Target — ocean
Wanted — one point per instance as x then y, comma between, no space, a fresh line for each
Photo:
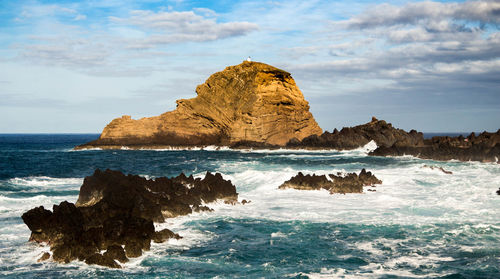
420,222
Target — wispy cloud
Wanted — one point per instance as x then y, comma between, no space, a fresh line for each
120,43
174,27
433,12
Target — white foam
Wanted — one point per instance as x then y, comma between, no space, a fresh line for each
419,196
44,181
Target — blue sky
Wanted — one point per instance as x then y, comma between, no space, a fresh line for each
73,66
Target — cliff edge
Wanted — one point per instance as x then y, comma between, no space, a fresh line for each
251,102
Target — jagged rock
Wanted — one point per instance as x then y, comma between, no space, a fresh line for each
164,235
483,148
103,260
251,102
115,210
44,257
342,184
354,137
197,208
116,252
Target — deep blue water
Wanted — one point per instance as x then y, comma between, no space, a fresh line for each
420,223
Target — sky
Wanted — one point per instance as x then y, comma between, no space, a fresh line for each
73,66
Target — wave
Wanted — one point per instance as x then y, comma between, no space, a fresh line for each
44,181
420,196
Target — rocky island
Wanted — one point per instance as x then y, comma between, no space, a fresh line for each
251,103
113,217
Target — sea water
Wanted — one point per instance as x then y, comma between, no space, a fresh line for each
419,223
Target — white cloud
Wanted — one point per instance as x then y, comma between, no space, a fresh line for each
175,27
121,43
413,13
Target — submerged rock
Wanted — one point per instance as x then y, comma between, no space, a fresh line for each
251,102
115,213
438,168
342,184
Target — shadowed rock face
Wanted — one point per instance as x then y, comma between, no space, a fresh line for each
342,184
250,102
483,148
115,212
354,137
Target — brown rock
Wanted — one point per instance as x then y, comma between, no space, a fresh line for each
250,102
133,250
116,252
164,235
44,257
103,260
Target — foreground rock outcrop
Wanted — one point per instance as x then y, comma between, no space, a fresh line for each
251,102
383,133
115,213
341,184
483,148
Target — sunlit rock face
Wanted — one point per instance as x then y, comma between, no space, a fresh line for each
251,102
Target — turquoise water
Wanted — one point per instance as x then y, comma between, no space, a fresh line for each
420,223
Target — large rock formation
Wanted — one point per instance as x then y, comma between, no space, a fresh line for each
251,102
115,213
354,137
484,148
341,184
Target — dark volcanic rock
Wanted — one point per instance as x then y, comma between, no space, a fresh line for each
164,235
438,168
116,252
397,142
349,183
115,210
104,260
354,137
483,148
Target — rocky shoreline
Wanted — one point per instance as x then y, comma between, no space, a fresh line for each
114,215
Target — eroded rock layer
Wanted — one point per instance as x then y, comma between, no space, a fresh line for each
249,102
115,213
340,183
